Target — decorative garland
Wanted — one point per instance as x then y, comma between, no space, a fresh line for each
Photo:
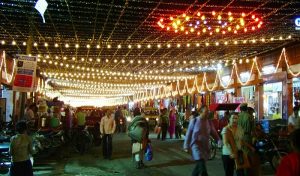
3,61
166,91
214,23
187,89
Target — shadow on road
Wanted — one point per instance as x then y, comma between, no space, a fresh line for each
178,162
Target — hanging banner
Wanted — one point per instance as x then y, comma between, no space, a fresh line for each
25,74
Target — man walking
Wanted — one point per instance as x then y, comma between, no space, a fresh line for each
197,139
107,128
163,123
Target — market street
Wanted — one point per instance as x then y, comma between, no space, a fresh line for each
169,159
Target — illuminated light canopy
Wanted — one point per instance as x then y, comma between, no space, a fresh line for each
195,24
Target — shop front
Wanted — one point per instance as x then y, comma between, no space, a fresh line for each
296,92
225,96
248,93
272,100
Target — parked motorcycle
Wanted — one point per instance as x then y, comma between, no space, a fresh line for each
268,150
5,159
6,131
45,143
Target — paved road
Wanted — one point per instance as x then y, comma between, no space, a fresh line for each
169,160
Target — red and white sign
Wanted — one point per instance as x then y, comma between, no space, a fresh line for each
238,100
25,74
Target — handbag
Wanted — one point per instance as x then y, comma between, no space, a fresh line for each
148,152
136,147
242,160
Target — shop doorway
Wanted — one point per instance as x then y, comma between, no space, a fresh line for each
248,92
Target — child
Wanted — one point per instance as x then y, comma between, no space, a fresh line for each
21,150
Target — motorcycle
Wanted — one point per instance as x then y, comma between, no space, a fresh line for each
268,150
46,143
5,158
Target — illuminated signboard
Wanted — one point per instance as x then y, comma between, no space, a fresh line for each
297,23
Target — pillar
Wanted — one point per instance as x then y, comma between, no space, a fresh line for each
259,100
290,95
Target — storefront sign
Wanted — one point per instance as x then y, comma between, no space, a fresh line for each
297,23
25,74
276,77
238,99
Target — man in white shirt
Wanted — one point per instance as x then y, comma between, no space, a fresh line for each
294,120
107,128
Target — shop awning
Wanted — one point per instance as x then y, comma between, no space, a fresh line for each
223,106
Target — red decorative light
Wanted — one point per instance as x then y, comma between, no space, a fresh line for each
215,23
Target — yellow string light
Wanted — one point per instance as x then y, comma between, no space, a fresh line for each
238,77
288,65
256,64
206,84
9,80
166,91
221,81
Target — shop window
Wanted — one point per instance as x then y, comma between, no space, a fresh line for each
268,69
296,91
248,92
272,101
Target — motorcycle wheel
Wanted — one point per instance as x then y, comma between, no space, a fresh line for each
276,158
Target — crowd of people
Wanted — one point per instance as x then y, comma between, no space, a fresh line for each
235,132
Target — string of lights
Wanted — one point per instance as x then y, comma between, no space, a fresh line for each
148,45
166,91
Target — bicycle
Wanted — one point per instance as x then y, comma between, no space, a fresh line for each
213,146
81,140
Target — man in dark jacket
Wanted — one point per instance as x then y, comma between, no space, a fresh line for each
163,123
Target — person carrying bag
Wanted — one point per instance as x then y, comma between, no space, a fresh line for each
138,131
232,154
